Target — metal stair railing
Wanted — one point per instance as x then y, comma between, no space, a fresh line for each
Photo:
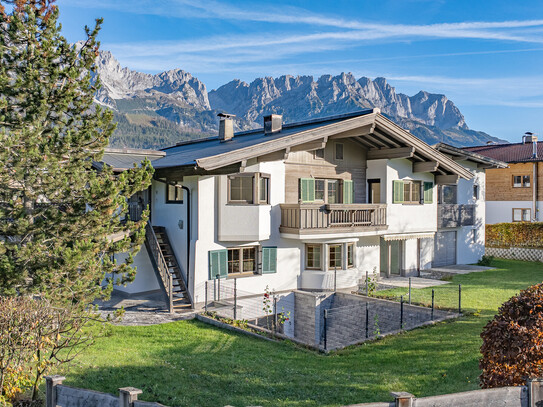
160,262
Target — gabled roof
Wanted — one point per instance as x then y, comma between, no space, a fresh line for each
510,153
121,159
460,154
380,136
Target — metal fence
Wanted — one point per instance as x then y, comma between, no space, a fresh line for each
269,309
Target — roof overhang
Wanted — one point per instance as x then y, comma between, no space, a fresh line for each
381,137
459,154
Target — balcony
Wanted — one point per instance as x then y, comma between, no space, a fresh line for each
452,216
308,219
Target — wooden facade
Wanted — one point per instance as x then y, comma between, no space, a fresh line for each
499,183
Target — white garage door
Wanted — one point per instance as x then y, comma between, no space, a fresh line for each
444,249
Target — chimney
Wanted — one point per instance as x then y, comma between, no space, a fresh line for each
226,126
273,123
530,137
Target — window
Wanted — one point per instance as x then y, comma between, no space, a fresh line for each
244,188
241,260
320,189
350,255
313,256
330,191
411,192
476,192
521,181
447,194
521,215
339,151
333,191
319,154
263,189
174,194
335,254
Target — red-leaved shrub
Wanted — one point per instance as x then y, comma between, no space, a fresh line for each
512,349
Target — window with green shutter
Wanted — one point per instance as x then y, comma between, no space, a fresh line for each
428,192
398,191
347,191
218,264
307,189
269,260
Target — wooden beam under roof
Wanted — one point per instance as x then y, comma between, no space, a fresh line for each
376,141
361,131
460,157
428,166
177,173
447,179
313,145
388,139
400,152
418,157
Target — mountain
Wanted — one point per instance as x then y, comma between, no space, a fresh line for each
154,111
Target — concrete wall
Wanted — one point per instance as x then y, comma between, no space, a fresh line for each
146,279
502,211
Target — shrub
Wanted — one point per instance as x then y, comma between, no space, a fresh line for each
485,260
512,347
517,234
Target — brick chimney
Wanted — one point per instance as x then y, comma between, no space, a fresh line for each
273,123
226,126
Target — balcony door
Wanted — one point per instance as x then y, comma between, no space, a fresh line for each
374,191
392,257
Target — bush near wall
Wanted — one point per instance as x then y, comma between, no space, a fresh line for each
517,234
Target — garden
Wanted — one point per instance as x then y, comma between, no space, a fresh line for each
190,363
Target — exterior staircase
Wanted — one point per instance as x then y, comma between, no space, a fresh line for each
167,268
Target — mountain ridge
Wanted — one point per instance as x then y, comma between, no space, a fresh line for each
157,110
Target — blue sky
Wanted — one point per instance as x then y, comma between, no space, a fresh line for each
486,56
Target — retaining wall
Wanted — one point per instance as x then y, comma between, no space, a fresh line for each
515,253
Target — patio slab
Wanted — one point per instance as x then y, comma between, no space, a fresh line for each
416,282
460,269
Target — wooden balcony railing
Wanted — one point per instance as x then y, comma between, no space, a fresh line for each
452,215
332,217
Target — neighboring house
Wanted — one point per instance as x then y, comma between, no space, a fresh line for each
461,210
514,194
291,206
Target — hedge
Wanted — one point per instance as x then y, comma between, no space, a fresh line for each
517,234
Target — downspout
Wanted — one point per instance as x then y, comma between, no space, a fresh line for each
188,233
534,194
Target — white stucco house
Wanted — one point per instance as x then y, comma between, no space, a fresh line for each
292,206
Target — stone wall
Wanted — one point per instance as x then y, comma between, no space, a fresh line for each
515,253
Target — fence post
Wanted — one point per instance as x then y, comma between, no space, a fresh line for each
275,313
459,298
325,329
402,399
215,290
51,382
335,278
205,301
432,304
367,320
401,312
409,290
535,392
235,298
367,283
218,287
127,395
170,292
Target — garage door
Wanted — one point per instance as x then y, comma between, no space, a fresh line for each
444,249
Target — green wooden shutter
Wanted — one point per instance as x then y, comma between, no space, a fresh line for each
428,192
397,195
269,260
307,189
347,191
218,264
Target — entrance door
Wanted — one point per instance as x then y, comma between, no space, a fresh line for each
444,249
374,191
391,252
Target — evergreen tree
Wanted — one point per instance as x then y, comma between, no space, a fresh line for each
59,215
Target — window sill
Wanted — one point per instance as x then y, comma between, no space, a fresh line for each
241,275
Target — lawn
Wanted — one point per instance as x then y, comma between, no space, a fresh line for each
189,363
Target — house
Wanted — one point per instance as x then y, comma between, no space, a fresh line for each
310,205
514,193
461,210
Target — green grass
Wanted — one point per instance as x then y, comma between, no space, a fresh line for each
189,363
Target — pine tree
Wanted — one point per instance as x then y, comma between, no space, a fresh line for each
58,213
